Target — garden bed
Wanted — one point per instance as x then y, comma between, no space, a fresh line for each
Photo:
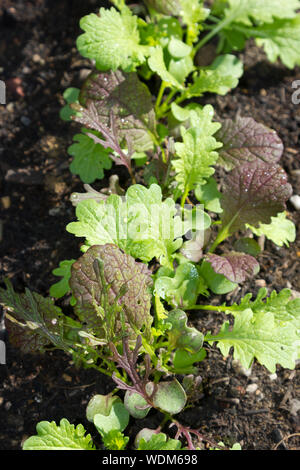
38,62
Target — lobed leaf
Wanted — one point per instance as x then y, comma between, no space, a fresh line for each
258,335
35,321
220,77
112,40
280,231
159,442
63,437
284,308
257,11
180,288
197,153
180,335
61,288
90,159
281,39
142,224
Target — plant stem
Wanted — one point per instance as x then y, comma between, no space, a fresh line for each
221,25
162,88
217,308
165,107
222,235
185,195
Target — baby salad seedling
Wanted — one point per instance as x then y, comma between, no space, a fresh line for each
155,253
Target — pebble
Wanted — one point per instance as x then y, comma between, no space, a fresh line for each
25,121
54,211
273,377
5,202
295,201
37,59
239,369
260,283
294,406
251,388
295,294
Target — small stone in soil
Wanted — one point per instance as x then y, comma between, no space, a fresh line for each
295,201
251,388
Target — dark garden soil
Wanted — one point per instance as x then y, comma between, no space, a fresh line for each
38,60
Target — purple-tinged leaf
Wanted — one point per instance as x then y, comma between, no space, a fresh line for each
235,266
122,104
245,140
123,282
252,194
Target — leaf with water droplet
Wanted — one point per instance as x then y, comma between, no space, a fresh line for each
252,193
127,99
245,140
235,266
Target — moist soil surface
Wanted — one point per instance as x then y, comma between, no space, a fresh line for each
38,61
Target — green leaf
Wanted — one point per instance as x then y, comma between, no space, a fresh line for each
112,40
180,335
258,335
193,13
281,39
142,225
115,440
90,158
181,68
136,405
117,420
209,195
61,288
70,95
257,11
197,153
178,49
122,284
247,245
279,304
159,442
63,437
280,231
157,64
169,397
166,7
179,288
217,283
183,361
220,77
100,404
160,32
